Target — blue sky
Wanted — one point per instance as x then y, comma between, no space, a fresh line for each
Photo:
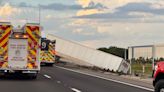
95,23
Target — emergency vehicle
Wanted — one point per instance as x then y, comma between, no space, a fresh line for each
19,49
47,54
158,78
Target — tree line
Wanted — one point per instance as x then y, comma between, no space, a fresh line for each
120,52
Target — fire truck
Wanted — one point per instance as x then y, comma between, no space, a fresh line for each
19,49
47,54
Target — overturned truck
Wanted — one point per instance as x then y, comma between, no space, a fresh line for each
89,56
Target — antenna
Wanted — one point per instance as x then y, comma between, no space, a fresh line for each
39,14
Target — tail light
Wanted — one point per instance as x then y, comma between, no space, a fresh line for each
17,36
25,36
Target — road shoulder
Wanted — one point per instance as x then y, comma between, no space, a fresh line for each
124,79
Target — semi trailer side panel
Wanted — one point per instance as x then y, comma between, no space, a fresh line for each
89,55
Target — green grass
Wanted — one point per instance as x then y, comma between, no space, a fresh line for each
138,68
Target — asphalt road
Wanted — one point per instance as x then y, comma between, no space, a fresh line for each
54,79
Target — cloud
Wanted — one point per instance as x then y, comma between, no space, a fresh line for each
49,16
141,7
97,15
88,12
8,10
1,1
140,14
84,3
24,4
78,22
80,31
90,7
93,5
58,6
12,13
107,3
129,11
52,6
158,4
124,35
77,31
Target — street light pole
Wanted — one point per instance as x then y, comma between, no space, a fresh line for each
154,55
131,52
125,54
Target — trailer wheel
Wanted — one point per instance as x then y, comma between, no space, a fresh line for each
159,87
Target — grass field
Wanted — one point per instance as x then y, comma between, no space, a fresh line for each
137,68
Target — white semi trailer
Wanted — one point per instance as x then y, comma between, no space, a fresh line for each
88,55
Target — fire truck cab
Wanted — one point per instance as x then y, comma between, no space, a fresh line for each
47,54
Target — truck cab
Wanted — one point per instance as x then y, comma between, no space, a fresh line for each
158,78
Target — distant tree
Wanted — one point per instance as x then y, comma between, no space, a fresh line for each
133,60
115,51
149,60
143,62
161,59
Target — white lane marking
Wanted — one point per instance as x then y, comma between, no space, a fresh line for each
75,90
129,84
47,76
58,81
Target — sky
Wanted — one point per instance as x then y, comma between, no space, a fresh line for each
94,23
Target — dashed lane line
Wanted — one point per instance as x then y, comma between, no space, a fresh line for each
47,76
75,90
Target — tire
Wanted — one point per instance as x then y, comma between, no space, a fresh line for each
159,86
49,64
33,76
2,75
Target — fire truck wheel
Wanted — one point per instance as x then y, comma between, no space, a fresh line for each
159,87
49,64
33,76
